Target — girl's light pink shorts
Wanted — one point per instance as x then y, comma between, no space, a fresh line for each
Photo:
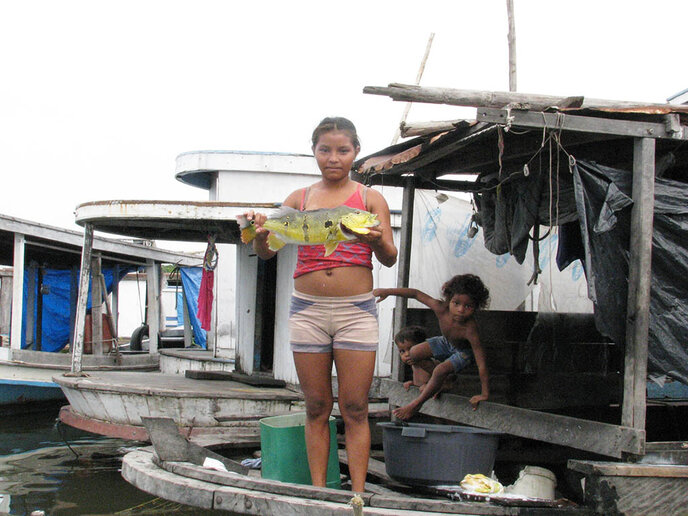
321,324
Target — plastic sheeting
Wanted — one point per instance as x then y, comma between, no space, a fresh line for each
442,248
191,282
604,202
56,298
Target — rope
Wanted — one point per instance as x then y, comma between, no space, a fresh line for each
210,256
60,429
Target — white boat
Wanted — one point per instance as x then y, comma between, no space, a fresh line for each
38,306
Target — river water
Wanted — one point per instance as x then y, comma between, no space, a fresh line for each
50,467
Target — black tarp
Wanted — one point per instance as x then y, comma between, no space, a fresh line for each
592,207
604,203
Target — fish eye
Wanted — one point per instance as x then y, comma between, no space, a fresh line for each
328,223
286,223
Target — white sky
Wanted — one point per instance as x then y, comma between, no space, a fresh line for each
97,98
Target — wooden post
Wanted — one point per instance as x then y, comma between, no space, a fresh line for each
108,311
82,300
114,316
403,270
38,337
5,301
96,307
419,76
188,331
639,283
73,301
512,44
153,304
29,336
17,291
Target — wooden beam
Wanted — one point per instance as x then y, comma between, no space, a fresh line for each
423,128
403,270
420,182
153,305
494,99
511,38
29,336
114,315
96,307
108,311
82,300
602,438
587,124
407,108
639,282
73,301
17,291
188,330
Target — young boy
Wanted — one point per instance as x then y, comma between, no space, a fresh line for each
459,343
422,369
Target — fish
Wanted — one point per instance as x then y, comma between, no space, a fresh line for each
326,226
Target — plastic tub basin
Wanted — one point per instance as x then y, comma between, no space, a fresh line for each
427,454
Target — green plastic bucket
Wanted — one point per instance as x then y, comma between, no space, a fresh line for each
283,450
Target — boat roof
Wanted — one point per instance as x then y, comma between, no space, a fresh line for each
60,247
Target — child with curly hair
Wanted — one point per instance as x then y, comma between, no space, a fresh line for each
459,344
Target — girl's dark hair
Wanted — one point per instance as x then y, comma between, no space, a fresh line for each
335,123
469,285
415,334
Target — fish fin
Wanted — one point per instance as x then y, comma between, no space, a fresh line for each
282,211
248,230
275,243
330,247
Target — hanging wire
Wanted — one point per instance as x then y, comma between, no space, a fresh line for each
526,167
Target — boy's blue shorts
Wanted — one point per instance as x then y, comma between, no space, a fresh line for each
442,350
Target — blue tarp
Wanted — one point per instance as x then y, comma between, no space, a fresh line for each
191,282
58,285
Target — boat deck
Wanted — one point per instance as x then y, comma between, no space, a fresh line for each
162,384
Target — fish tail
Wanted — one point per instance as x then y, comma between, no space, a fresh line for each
247,227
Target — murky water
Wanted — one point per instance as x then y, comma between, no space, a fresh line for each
47,466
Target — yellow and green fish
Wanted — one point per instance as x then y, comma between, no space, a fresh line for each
328,226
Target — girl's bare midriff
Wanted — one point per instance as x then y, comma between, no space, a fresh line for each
338,282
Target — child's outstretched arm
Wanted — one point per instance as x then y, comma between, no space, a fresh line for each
409,293
431,389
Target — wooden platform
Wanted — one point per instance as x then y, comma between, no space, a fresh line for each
631,488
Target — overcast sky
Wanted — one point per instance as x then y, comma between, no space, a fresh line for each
97,98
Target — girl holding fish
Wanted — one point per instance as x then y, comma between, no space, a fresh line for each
333,317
